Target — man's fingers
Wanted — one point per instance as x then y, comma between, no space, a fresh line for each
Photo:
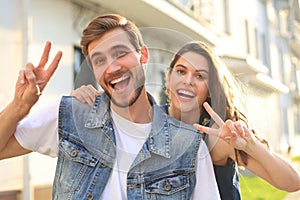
29,66
21,78
45,55
53,66
30,77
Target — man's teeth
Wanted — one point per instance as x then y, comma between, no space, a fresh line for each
118,80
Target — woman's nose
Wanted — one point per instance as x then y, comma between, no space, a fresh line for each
189,79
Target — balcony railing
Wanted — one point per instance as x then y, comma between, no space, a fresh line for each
202,10
296,30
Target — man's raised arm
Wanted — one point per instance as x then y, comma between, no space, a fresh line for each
31,82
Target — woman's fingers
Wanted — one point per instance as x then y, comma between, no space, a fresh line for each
85,94
213,114
210,131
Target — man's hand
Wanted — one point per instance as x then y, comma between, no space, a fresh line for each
33,80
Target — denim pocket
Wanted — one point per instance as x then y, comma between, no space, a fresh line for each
75,167
169,185
77,153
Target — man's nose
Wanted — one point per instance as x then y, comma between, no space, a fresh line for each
113,66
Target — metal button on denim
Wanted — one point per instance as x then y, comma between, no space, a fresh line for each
74,153
103,165
89,196
167,186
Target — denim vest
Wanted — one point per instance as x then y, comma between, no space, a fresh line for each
163,169
228,180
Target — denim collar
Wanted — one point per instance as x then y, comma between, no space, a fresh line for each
158,141
99,114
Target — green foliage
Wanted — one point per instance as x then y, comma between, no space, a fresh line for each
296,159
255,188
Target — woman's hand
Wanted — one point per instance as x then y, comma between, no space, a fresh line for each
234,133
86,94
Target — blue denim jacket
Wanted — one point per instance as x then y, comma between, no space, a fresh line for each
163,169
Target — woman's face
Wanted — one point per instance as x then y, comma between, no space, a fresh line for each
188,83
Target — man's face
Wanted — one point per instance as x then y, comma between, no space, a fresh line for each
117,67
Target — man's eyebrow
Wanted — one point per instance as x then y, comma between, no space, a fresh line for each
119,46
95,54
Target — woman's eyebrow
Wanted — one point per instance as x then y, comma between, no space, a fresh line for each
202,70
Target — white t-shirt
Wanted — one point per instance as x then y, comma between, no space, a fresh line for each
39,133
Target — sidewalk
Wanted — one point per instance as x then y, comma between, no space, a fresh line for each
293,196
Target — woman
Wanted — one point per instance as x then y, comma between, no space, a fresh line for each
196,76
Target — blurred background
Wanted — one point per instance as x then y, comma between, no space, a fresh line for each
258,40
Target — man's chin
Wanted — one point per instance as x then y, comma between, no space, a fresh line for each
120,104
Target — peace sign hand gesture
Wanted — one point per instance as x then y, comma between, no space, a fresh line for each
33,80
234,133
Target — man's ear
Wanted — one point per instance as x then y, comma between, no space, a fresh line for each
167,78
144,55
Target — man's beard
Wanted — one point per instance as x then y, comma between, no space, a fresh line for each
132,100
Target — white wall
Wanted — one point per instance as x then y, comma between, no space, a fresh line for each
48,20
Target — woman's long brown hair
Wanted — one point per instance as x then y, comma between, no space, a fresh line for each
224,90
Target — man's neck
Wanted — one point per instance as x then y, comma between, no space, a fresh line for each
139,112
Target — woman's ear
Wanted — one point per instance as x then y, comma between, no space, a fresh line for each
144,55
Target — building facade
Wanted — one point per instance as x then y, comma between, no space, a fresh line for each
259,40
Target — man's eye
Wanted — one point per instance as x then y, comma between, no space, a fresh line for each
99,61
121,53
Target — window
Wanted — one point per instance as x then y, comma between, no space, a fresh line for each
247,37
297,120
227,16
262,48
281,66
256,44
207,10
204,9
10,195
83,73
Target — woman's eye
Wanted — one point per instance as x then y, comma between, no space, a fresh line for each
200,76
180,72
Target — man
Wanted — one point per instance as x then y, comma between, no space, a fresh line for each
125,147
